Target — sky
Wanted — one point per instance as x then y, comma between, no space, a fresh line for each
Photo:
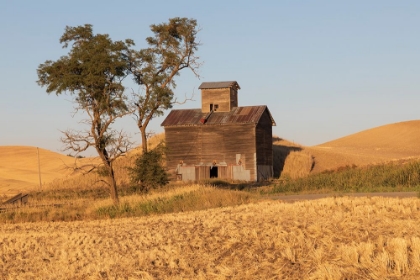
325,69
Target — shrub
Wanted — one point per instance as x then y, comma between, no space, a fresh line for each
148,172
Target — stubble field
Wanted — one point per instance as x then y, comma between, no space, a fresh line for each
331,238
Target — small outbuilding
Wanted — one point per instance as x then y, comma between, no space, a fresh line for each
220,140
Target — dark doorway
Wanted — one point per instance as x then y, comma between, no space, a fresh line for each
213,171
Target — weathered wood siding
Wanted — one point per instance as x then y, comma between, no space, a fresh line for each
225,98
205,144
264,144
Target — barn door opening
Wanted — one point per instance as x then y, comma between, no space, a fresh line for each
213,171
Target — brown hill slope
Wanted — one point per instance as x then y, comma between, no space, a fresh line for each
381,144
402,138
19,164
377,145
19,167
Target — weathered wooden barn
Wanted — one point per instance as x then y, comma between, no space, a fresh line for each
220,140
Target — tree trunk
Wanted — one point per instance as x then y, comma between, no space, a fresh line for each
143,139
113,186
113,191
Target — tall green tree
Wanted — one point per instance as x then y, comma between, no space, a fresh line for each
172,49
92,73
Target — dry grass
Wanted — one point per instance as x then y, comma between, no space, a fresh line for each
281,150
94,203
298,164
332,238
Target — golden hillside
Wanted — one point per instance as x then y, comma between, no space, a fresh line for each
381,144
19,167
377,145
19,164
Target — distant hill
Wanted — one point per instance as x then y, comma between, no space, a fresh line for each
377,145
19,167
402,138
19,164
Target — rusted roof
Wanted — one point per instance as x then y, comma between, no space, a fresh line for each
192,117
227,84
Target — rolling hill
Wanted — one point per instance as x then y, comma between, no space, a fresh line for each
19,164
377,145
19,167
397,141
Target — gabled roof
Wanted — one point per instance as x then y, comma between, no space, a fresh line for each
226,84
193,117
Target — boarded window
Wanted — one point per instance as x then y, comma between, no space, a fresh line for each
187,173
223,172
241,174
202,172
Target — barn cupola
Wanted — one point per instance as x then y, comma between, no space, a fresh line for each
219,96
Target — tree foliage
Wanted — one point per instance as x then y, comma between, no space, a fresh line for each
148,171
171,49
92,73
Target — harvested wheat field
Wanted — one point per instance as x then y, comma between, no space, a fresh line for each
331,238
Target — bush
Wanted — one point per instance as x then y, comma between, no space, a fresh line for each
148,172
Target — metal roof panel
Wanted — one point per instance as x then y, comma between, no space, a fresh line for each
225,84
192,117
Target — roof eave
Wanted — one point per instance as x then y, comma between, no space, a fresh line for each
221,84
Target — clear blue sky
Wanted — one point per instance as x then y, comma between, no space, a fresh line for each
326,69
